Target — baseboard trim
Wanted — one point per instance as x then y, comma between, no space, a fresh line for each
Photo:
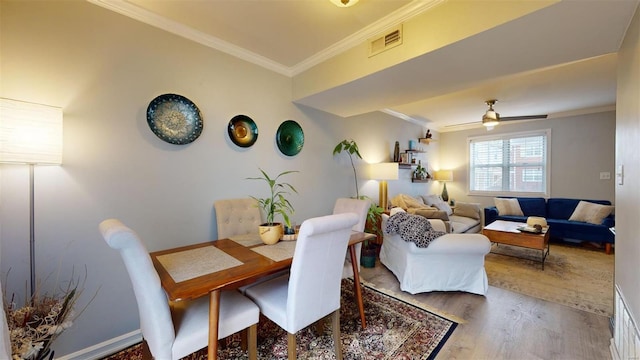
105,348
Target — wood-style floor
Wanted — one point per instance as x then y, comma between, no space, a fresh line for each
507,325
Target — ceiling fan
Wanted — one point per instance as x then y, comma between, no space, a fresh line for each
491,118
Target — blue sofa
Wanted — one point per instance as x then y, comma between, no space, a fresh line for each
557,211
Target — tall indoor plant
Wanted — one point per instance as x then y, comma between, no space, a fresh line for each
276,203
369,251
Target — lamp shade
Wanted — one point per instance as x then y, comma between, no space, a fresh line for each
443,175
383,171
30,133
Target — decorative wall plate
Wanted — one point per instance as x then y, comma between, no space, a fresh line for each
174,119
290,138
242,130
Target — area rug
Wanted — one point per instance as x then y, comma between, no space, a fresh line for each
572,276
395,330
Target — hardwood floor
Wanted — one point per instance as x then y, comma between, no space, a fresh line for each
507,325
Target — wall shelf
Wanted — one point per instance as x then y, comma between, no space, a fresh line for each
425,140
419,180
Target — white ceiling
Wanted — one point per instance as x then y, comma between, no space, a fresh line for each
558,61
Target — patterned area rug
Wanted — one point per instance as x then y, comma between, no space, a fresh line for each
395,330
572,276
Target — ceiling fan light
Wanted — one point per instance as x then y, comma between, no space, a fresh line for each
343,3
490,118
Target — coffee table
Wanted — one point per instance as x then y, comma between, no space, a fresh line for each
506,232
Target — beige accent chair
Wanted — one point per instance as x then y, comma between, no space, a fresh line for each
237,217
173,332
312,291
360,208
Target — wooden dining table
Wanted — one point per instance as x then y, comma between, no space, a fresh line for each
192,271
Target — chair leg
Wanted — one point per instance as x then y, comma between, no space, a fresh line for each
244,335
336,334
252,335
319,327
291,346
146,352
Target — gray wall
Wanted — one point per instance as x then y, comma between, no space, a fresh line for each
581,148
103,69
628,194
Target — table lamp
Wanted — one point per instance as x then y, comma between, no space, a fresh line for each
444,176
383,172
30,134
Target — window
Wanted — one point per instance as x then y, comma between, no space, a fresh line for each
510,164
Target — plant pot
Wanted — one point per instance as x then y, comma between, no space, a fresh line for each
270,234
368,257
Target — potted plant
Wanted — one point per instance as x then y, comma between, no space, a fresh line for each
276,203
369,250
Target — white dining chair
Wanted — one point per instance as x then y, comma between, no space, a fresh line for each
312,290
360,208
173,332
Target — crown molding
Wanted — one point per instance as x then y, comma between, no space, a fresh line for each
135,12
397,17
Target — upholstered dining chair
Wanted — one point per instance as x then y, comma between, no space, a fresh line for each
237,217
173,332
360,208
312,290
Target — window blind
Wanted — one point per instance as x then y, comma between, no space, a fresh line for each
509,163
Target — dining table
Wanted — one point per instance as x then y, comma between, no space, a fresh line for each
206,269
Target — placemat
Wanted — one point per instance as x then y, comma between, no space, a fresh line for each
192,263
277,252
247,240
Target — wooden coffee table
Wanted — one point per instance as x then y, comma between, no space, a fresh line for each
506,232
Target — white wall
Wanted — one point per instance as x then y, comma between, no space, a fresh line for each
628,194
103,69
581,148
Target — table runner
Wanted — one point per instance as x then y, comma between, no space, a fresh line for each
189,264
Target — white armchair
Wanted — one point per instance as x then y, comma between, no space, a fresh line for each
173,333
312,290
452,262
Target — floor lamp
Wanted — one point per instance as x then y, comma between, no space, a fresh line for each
30,134
444,176
383,172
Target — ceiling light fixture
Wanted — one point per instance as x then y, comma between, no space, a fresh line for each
491,118
344,3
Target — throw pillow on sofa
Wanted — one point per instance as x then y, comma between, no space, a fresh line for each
437,202
508,207
469,210
590,212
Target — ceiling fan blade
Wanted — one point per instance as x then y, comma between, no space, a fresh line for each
523,117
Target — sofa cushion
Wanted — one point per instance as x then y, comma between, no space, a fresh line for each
407,202
561,208
430,213
462,224
470,210
533,206
431,199
590,213
508,207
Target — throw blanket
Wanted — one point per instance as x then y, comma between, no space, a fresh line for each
414,228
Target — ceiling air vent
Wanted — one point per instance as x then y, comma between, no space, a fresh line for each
390,39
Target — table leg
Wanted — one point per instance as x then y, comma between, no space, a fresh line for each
214,311
356,283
